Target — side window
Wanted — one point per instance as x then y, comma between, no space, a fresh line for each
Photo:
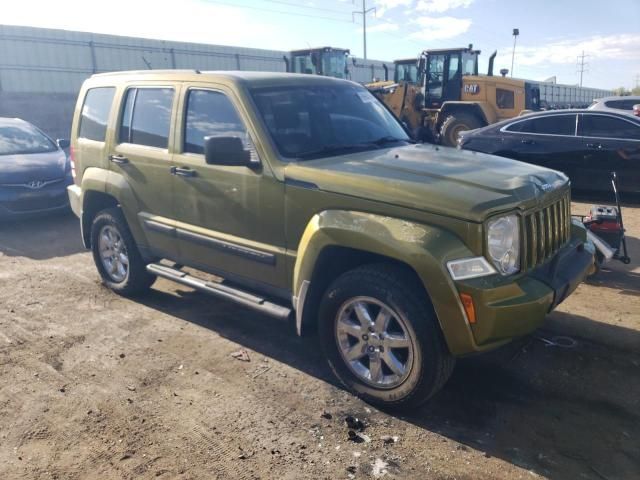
95,113
553,125
454,67
609,127
146,117
505,98
209,114
621,104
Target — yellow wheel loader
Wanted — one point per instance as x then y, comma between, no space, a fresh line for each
446,95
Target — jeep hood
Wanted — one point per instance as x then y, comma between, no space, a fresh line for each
442,180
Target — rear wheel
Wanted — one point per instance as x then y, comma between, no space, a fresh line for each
381,337
116,255
454,124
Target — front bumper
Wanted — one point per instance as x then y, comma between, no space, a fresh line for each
509,307
17,203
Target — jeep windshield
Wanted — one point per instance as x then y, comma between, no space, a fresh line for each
316,121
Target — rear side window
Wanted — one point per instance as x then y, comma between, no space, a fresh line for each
621,104
553,125
95,113
609,127
505,98
210,114
146,117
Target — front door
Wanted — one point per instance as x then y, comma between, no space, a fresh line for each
141,155
444,79
549,141
230,219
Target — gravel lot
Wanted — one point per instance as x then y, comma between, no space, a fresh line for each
97,386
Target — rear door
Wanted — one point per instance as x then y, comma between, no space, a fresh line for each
549,141
610,143
141,155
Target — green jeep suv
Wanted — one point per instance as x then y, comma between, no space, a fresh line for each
302,197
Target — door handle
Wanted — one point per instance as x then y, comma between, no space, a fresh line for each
595,146
182,171
527,142
118,159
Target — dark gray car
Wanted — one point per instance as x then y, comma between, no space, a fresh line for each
34,171
587,145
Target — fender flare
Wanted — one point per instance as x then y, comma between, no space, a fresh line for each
423,248
116,186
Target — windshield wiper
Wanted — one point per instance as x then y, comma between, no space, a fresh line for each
389,139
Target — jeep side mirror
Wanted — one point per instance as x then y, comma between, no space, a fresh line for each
227,151
63,143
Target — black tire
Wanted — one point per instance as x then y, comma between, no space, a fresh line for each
395,287
454,124
137,280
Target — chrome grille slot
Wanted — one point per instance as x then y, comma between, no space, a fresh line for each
546,231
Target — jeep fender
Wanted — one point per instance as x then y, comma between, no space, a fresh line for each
423,248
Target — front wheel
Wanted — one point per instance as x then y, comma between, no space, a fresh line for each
381,337
454,124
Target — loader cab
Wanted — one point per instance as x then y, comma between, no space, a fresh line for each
406,70
325,61
444,70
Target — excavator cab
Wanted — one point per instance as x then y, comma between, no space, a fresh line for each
325,61
443,72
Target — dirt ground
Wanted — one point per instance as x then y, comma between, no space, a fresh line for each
100,387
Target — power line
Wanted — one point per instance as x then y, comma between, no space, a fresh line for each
249,7
582,65
308,7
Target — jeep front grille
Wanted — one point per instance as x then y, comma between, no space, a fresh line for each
546,231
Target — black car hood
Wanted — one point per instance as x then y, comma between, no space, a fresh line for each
25,168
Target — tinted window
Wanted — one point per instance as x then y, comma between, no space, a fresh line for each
95,113
210,114
552,125
23,138
504,98
621,104
146,117
609,127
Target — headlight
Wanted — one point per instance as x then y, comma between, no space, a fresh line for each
503,240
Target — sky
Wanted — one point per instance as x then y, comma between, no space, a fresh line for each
553,33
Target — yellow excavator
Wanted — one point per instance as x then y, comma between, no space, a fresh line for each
441,94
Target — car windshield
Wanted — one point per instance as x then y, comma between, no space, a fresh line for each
314,121
22,138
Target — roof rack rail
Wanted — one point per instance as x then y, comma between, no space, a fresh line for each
146,72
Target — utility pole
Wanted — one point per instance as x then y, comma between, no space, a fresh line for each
638,80
364,12
516,32
582,66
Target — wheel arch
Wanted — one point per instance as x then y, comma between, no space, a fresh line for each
94,202
479,110
337,241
